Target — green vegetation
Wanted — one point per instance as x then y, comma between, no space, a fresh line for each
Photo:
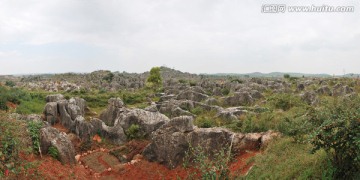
109,77
133,132
34,130
339,136
286,159
285,101
217,168
13,142
154,80
287,76
10,83
53,152
26,102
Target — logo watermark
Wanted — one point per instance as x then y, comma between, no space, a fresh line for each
282,8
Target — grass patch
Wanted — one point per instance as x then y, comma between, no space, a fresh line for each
285,159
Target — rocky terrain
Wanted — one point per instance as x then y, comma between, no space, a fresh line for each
235,116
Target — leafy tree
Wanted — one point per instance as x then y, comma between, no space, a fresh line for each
154,79
10,83
339,136
286,76
109,77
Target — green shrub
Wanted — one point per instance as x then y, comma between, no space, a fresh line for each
109,77
34,130
205,122
225,91
53,152
133,132
10,83
286,159
209,168
285,101
134,98
198,110
3,105
154,80
183,81
339,136
192,83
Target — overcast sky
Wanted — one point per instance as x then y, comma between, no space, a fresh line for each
198,36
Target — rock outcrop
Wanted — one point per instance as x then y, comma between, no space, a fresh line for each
147,121
170,142
239,99
113,110
50,136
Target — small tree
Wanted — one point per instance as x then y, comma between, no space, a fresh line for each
109,77
154,80
286,76
10,83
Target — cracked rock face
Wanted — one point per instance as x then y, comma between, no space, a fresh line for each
115,107
173,139
50,136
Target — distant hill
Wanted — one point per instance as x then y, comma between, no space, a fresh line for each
272,74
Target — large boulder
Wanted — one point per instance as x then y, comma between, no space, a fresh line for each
65,118
54,97
112,111
83,129
169,143
309,97
50,136
51,112
81,103
232,113
172,140
192,95
239,99
147,121
324,90
339,90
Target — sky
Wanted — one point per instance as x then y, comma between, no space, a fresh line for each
197,36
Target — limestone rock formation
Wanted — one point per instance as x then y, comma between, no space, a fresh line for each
50,136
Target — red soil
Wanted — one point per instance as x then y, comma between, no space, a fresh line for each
240,166
60,127
50,168
11,105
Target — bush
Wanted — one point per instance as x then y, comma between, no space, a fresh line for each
285,101
34,130
339,136
133,132
215,168
53,152
204,122
225,91
154,79
286,159
10,83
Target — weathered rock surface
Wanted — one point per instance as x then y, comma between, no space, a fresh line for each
173,139
239,99
113,110
54,97
148,121
309,97
192,95
50,136
51,112
232,113
324,90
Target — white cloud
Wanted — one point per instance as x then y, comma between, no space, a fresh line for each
196,36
